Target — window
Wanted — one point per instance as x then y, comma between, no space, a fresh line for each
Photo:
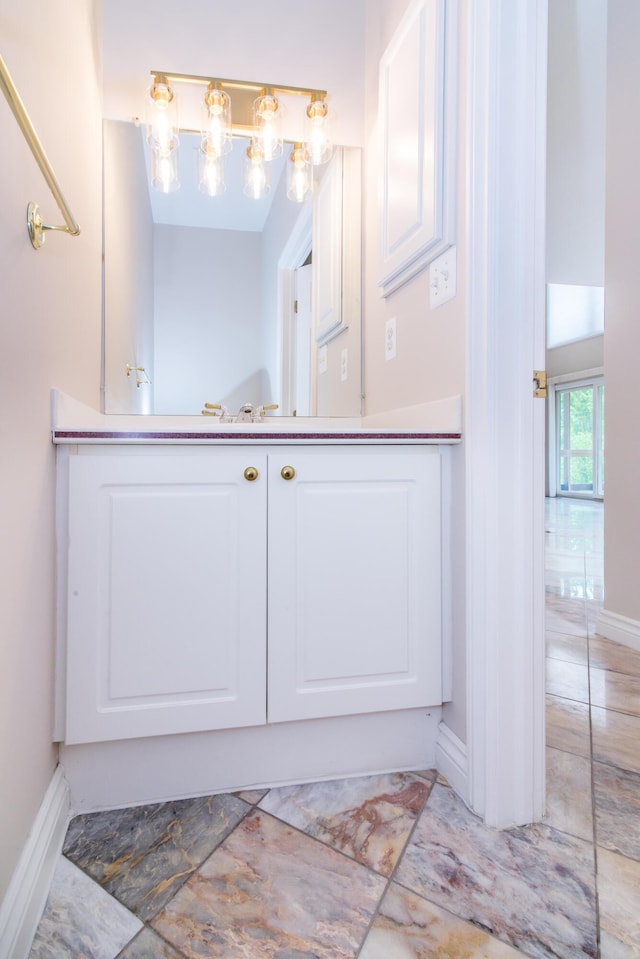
579,438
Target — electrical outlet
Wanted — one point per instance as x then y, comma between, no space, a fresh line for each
390,339
344,369
322,359
443,278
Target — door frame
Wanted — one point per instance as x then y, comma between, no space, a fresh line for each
293,255
504,424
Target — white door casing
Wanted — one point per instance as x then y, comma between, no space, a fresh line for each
504,424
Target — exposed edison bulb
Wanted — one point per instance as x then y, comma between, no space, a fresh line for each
162,122
216,128
318,139
267,118
211,179
256,174
299,180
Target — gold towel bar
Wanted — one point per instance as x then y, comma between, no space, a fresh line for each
34,221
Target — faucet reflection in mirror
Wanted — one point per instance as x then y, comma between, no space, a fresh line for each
263,126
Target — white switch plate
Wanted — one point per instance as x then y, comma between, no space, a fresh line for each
322,359
344,369
443,278
390,339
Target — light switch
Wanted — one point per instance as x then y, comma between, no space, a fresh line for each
443,278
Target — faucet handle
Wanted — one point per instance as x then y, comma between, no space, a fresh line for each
261,410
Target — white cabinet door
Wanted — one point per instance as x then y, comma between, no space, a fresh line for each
166,593
354,582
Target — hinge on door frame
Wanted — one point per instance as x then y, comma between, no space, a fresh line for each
295,306
540,380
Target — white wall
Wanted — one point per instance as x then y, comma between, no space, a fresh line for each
128,271
207,333
430,362
576,142
622,306
49,337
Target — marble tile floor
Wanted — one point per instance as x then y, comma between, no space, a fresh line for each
391,866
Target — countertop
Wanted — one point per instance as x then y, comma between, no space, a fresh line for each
437,422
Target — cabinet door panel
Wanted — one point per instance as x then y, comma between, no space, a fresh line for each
161,637
354,584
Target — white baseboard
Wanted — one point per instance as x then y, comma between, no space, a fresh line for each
619,628
27,894
451,760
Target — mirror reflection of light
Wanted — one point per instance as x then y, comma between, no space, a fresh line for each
211,178
164,168
256,174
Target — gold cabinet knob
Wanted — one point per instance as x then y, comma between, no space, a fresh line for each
287,472
251,473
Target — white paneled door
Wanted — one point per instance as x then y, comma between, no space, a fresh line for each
354,582
166,594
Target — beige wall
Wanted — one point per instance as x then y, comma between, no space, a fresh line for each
576,142
622,309
49,336
431,344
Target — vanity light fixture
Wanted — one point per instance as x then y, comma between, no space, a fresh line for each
299,177
318,139
162,135
267,120
216,128
260,118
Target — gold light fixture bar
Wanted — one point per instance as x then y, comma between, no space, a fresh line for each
242,105
35,224
161,76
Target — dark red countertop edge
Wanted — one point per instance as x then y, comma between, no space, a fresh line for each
117,435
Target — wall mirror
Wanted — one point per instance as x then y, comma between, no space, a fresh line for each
226,299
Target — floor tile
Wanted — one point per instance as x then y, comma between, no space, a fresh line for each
81,919
368,818
571,649
568,680
616,738
408,927
270,891
569,794
148,945
605,654
565,615
568,726
617,806
142,855
617,691
619,898
532,887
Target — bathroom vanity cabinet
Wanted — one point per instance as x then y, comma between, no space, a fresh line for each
211,588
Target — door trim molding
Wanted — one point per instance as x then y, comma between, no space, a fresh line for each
504,425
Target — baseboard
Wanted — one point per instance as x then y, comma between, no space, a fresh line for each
451,760
27,894
619,628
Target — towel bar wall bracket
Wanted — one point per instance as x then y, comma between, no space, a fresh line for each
35,224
